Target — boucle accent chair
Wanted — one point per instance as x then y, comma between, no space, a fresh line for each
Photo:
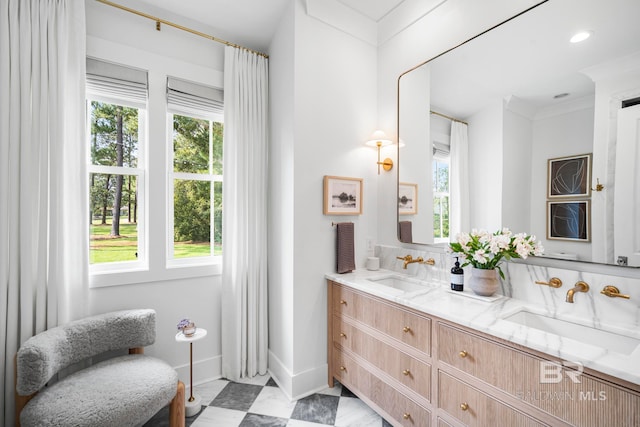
124,390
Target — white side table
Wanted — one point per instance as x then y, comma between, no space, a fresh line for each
192,403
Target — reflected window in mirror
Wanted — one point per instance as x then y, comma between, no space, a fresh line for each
440,165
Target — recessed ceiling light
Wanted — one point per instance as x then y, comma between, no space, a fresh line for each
581,36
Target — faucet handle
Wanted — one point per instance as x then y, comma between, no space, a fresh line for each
405,258
554,282
612,291
429,261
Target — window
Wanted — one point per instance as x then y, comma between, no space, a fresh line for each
116,114
440,193
195,178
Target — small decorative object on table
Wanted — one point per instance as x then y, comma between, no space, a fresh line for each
187,327
484,251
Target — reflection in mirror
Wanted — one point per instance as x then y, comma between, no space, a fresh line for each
478,124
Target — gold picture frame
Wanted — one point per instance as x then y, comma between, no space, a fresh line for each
407,198
342,195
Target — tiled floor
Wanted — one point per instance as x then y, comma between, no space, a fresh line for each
259,402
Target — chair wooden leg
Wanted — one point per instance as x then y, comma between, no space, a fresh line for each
176,410
21,401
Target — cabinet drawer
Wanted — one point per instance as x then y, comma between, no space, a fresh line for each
474,408
409,371
402,409
348,372
577,398
395,321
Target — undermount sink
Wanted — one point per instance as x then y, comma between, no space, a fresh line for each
400,283
598,337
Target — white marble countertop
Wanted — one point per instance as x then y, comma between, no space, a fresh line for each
487,314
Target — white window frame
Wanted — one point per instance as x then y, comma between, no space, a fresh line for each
142,263
212,259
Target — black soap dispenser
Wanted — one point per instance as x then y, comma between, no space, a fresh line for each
457,277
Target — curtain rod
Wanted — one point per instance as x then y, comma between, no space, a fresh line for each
178,26
448,117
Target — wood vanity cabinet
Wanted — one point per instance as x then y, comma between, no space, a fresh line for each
419,370
529,381
382,352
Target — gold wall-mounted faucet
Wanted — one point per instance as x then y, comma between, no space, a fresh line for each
408,259
612,292
579,287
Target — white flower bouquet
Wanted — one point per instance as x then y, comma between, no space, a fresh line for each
483,250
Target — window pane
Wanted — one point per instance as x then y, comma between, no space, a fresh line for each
217,218
218,131
440,176
113,210
191,142
114,135
191,218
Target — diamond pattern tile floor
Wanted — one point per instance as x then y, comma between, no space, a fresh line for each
259,402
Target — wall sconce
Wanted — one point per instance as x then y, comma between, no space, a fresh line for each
379,139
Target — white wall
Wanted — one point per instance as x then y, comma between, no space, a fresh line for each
557,136
328,87
516,172
281,202
124,38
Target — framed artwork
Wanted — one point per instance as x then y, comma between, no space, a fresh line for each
569,220
407,198
569,177
342,196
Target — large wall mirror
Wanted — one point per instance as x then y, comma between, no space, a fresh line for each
521,128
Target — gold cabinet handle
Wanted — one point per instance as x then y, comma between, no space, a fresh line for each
342,368
612,292
406,329
343,302
406,372
554,282
343,335
464,406
463,354
406,416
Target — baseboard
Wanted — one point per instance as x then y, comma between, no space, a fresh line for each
204,370
297,386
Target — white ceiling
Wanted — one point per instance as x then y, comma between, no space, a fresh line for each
372,9
259,18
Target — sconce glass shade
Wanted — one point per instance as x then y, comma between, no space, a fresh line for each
377,140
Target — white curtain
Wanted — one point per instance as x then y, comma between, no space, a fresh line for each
459,180
43,199
244,228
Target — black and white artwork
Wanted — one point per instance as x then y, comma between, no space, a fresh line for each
569,176
569,220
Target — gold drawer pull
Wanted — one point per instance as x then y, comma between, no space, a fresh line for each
406,372
464,406
343,335
406,416
463,354
342,368
406,329
343,302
